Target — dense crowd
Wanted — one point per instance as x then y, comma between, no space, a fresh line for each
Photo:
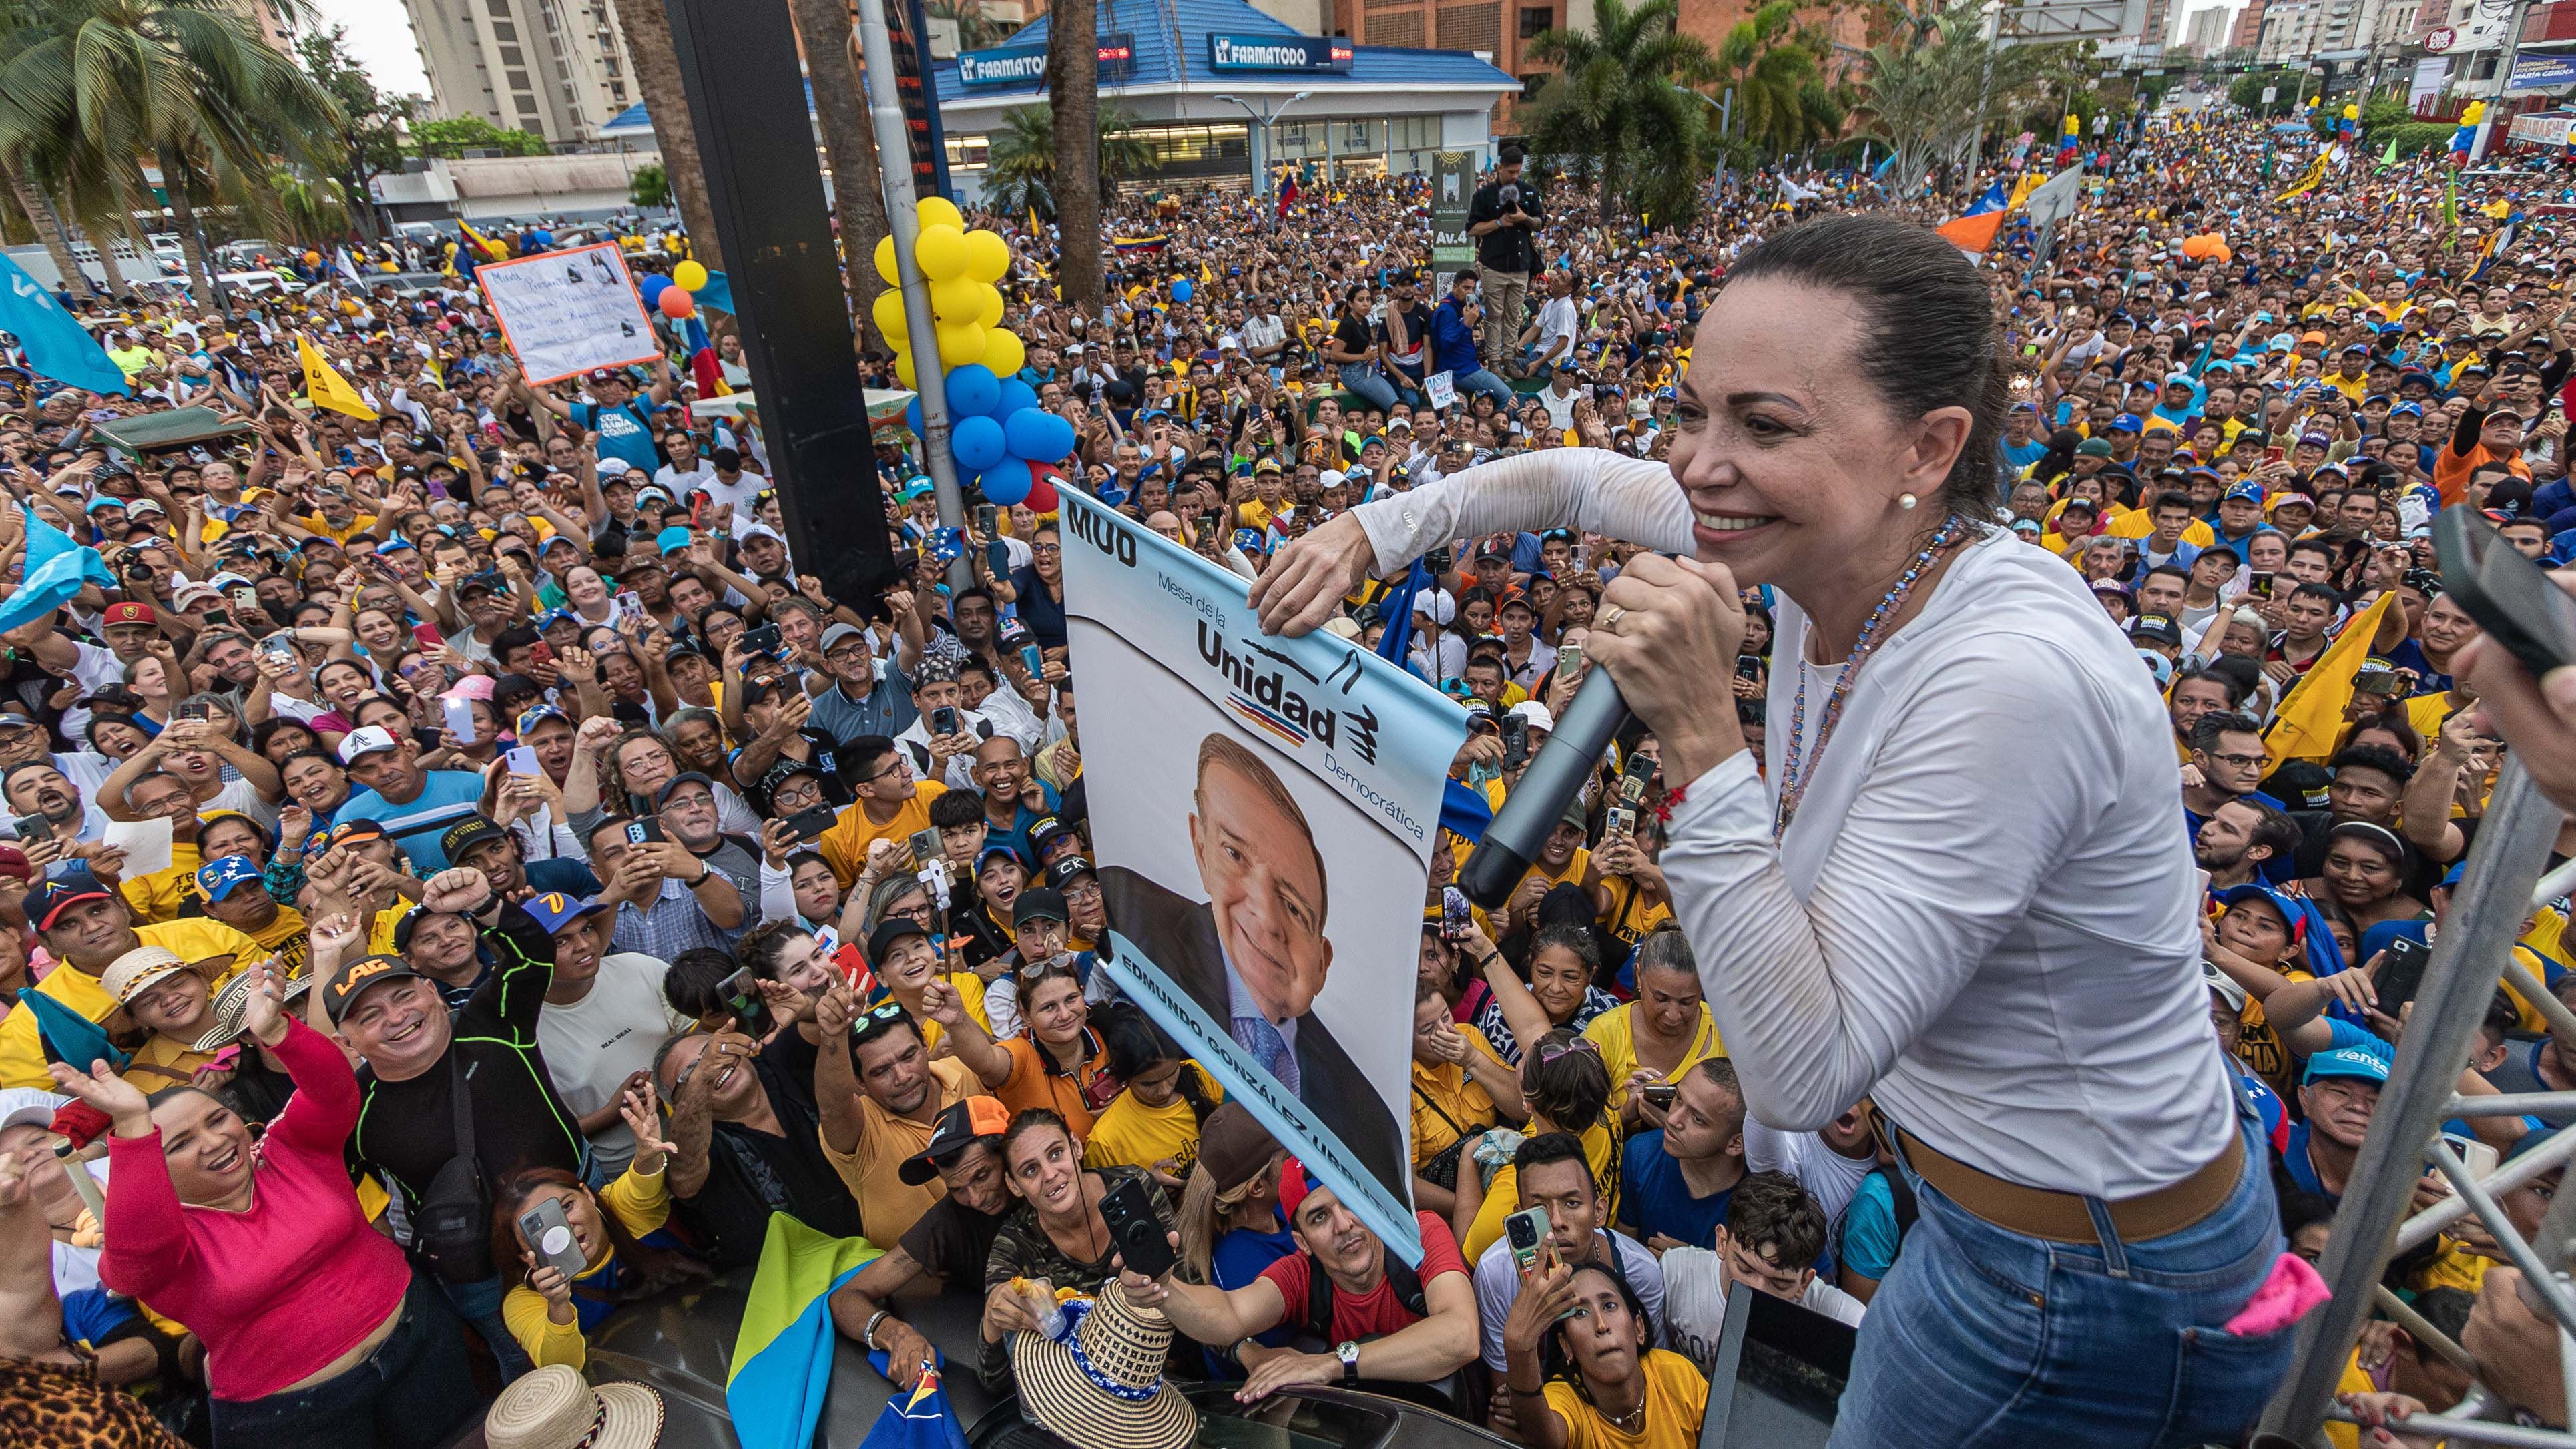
464,867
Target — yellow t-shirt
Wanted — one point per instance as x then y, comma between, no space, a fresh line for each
885,1140
1502,1199
1573,874
844,847
195,940
1614,1032
158,896
1128,1133
1676,1400
970,994
642,1204
1448,1101
2355,1380
1625,921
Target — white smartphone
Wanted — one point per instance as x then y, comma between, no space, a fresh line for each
523,761
460,719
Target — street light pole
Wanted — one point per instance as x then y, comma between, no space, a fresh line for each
894,147
1260,132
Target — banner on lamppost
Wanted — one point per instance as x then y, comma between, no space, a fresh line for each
1453,186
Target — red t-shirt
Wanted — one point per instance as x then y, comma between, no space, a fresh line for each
1377,1311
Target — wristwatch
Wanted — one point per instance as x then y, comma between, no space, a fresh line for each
1348,1351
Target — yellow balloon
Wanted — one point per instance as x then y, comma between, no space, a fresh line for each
959,299
960,343
939,211
888,311
991,314
988,257
903,367
1003,352
941,250
689,276
885,261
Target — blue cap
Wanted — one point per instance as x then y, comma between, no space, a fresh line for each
219,878
2125,423
2348,1061
554,910
988,852
552,617
916,487
2247,489
103,501
2412,410
672,539
2291,914
536,715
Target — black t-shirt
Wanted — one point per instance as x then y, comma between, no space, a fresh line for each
752,1174
951,1243
1354,335
1505,248
407,1130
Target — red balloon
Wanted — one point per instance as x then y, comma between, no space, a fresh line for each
676,303
1042,499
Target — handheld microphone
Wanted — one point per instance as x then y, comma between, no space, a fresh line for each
1551,782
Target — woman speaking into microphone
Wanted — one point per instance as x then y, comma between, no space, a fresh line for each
1964,888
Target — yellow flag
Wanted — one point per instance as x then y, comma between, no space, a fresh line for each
2031,181
492,250
2308,181
2312,716
327,387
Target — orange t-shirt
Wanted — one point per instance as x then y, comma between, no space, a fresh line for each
1036,1083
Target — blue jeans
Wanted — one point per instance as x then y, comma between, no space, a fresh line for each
479,1304
1983,1336
1369,383
1483,381
413,1392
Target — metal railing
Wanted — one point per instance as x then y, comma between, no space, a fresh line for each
2472,953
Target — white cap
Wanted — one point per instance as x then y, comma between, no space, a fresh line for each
1332,478
22,1105
366,741
1537,715
2226,987
1438,604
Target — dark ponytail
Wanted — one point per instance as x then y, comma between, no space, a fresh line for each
1931,340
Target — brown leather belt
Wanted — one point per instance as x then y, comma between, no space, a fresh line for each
2060,1217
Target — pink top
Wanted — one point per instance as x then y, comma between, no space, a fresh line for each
283,1288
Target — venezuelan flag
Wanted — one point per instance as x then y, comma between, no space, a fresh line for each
2311,717
922,1419
782,1357
491,249
1140,243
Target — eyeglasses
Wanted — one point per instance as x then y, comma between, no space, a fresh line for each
1082,893
1549,1053
2242,762
900,765
1046,548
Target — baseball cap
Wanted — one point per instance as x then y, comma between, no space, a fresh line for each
69,888
1234,1147
219,878
2315,440
468,833
138,970
2359,1061
24,1106
369,740
2219,981
1044,831
662,797
958,1123
889,931
2292,916
985,855
672,539
1066,871
554,910
1039,903
129,614
838,632
2159,628
344,992
1537,715
2094,448
2248,489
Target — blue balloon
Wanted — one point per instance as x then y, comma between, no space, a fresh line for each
1029,435
912,416
653,287
545,238
1182,290
1006,482
977,443
1015,396
972,391
1064,437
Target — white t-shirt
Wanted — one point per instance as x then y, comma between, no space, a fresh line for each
736,495
1498,1282
1828,1176
1560,407
1556,322
679,483
1695,1284
239,794
96,669
593,1045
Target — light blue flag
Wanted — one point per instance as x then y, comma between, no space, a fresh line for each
57,568
717,293
57,345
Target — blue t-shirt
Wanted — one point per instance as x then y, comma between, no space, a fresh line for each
1869,1229
1653,1196
1234,1262
2022,455
1017,837
446,797
564,876
624,434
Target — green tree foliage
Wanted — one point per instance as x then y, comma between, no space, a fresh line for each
371,122
1022,158
1782,100
650,186
1621,107
456,137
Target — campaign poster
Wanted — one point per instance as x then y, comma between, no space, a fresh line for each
1263,811
564,313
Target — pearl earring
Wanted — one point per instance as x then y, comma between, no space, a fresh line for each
1906,500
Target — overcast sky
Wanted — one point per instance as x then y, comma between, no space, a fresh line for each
380,37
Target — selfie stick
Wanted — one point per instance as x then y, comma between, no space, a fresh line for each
1554,778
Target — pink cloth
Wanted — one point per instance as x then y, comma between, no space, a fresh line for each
2285,1297
277,1291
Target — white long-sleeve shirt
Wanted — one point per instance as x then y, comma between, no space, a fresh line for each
1983,915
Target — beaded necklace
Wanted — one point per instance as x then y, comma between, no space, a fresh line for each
1794,773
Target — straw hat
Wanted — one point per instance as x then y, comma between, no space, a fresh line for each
552,1408
138,970
233,1001
1102,1385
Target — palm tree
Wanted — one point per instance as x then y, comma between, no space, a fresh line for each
1620,105
188,83
1923,87
311,211
976,29
1022,158
831,49
48,225
1782,102
657,76
1073,84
